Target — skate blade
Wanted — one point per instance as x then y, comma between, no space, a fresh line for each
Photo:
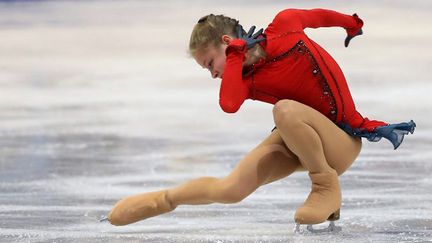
332,228
104,219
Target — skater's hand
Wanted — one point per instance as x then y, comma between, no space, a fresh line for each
250,38
348,38
351,33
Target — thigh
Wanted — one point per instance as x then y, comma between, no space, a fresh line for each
340,149
269,161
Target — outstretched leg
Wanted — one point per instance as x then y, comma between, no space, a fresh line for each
323,149
269,161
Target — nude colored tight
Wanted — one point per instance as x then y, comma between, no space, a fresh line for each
304,140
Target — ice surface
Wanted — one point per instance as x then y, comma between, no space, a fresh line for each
99,100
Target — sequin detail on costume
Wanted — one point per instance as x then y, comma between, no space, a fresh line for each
327,95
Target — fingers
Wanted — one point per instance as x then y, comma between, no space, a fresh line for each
257,33
348,38
250,38
347,41
259,39
250,34
251,30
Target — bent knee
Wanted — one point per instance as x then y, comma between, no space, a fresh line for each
286,111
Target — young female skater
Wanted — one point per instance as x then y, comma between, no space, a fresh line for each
318,128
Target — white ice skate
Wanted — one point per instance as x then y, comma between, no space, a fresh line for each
332,228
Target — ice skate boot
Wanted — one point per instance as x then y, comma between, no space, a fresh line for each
323,202
138,207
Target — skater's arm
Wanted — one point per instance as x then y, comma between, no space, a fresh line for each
233,90
299,19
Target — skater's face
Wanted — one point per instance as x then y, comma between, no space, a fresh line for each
213,58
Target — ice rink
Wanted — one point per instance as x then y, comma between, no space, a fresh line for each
99,100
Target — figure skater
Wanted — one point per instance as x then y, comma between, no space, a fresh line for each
318,128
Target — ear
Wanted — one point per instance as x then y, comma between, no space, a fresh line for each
226,39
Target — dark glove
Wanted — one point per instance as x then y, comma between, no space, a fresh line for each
348,38
357,31
250,38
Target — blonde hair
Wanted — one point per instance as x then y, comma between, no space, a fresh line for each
209,30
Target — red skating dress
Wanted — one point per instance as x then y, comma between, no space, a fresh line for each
299,69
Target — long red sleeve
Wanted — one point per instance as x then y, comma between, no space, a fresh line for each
233,91
299,19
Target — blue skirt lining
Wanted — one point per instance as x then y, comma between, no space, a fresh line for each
393,132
